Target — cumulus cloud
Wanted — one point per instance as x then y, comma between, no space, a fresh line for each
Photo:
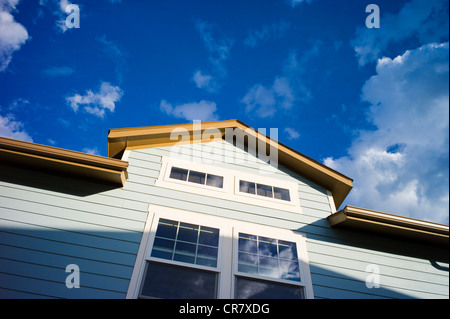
204,81
11,128
12,34
97,103
292,133
265,101
402,166
424,21
203,110
266,32
219,51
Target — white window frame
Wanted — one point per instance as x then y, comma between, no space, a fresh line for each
280,234
230,190
227,251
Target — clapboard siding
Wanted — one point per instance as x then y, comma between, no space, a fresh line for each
338,268
44,228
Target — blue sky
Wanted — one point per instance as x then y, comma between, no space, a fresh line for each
372,103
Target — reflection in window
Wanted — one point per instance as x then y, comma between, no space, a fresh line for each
185,242
196,177
247,288
264,190
175,282
268,257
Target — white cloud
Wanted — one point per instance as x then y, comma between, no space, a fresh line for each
204,81
58,9
11,128
292,133
265,101
219,52
274,30
91,150
425,21
203,110
97,103
402,166
12,34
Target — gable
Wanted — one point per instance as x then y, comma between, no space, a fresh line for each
253,141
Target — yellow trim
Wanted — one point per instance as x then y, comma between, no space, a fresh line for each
122,139
385,223
63,161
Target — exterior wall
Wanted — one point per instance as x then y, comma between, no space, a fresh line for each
48,222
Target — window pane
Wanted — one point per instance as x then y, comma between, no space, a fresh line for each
206,256
267,247
264,190
268,267
186,242
258,289
178,173
248,243
214,180
248,263
188,232
289,270
185,252
209,236
167,228
197,177
287,250
175,282
163,248
247,187
281,193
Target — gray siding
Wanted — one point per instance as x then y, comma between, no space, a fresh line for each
49,222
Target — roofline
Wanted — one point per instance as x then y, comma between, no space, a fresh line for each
62,161
122,139
399,226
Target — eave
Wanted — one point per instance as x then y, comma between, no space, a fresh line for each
123,139
375,222
63,162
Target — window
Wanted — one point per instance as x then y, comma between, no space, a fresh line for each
196,177
264,190
190,255
182,262
276,192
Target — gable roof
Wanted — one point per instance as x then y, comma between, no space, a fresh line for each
123,139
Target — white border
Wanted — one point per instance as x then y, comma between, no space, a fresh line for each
227,253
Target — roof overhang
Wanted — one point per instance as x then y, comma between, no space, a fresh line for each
388,224
64,162
123,139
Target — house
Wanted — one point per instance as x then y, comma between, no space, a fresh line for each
201,210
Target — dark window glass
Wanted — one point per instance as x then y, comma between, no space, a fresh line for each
175,282
264,190
178,173
247,187
197,177
185,242
247,288
214,180
281,193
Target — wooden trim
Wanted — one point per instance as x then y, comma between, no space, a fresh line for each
389,224
158,136
62,161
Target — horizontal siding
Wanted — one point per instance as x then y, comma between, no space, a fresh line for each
43,229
